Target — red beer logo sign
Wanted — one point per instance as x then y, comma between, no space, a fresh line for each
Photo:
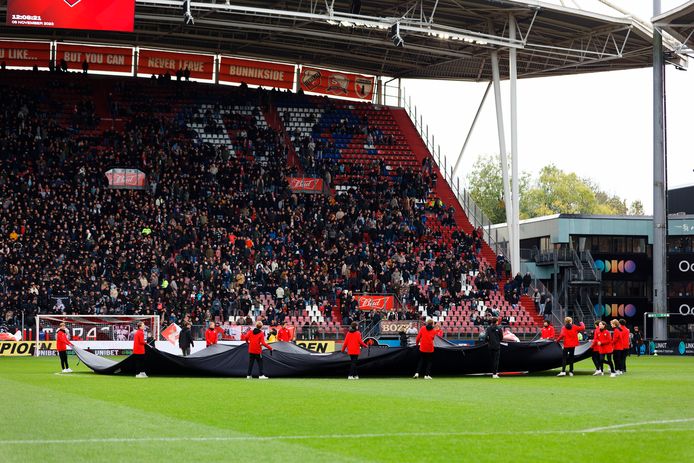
306,184
375,302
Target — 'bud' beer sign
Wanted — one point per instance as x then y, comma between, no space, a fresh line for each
372,302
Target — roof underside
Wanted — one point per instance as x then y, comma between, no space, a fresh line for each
550,39
679,23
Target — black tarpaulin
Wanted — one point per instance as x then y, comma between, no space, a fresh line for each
288,359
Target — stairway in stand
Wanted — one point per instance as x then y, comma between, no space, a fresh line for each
529,305
275,122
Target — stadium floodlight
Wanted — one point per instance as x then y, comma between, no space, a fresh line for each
395,35
187,15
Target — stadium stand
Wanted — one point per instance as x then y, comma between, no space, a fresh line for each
217,234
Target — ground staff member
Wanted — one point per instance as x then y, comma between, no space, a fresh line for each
353,344
547,331
493,336
139,350
617,341
211,335
569,333
596,350
61,343
625,343
425,341
185,339
284,334
256,340
605,348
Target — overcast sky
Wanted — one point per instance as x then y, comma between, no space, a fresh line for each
597,125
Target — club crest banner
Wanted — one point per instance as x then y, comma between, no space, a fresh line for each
336,83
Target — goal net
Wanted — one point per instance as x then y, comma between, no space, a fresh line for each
99,332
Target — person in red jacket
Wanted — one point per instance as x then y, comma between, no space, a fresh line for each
211,335
255,339
626,343
61,343
353,344
139,350
284,334
547,331
596,351
425,341
569,333
617,342
605,348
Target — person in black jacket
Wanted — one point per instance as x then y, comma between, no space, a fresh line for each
185,339
494,336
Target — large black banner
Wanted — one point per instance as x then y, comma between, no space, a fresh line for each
288,359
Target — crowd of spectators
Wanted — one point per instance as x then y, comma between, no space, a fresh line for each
213,230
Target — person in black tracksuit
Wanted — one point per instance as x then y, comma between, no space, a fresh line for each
185,339
494,336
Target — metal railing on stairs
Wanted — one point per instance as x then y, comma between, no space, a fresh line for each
475,215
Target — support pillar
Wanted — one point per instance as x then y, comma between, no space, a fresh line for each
513,77
659,184
502,151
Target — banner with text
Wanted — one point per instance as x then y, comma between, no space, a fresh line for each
376,302
23,348
321,347
394,327
337,83
112,59
672,347
161,62
269,75
680,267
306,184
25,54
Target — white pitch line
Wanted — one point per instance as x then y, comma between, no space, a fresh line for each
643,423
606,429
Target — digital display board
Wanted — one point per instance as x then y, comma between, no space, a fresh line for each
102,15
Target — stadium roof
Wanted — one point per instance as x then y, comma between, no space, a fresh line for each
679,23
444,39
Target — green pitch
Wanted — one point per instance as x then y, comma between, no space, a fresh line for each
647,415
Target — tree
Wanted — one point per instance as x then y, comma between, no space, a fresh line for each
558,192
636,208
486,187
554,192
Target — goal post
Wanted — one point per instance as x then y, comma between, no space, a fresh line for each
94,329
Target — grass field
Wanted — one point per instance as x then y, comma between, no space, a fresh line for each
647,415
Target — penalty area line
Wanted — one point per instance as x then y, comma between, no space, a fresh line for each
617,428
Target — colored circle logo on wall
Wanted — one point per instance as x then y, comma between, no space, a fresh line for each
682,348
629,310
615,266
